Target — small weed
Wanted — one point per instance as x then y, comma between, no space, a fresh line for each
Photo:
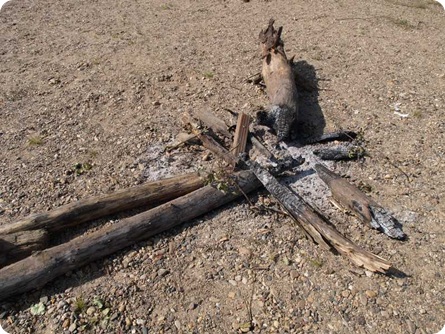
79,305
316,263
35,140
167,6
93,153
417,114
81,168
402,23
208,75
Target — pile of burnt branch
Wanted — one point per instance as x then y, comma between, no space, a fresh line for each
27,262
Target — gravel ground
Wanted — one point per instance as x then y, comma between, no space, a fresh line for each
101,84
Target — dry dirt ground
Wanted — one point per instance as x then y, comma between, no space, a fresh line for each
102,83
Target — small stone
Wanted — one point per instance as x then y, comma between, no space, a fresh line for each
371,294
244,251
231,294
231,281
385,314
126,262
91,310
276,324
411,326
61,304
162,272
127,321
114,316
238,278
192,306
178,324
66,323
106,311
294,274
121,307
44,299
140,322
54,81
72,328
213,300
244,280
144,330
345,293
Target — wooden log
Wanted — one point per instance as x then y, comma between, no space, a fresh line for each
260,147
365,208
18,245
92,208
216,124
42,267
208,142
241,134
212,145
315,225
280,83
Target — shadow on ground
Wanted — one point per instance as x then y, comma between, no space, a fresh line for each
311,121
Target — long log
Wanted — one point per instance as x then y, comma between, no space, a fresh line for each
364,207
311,221
42,267
18,245
88,209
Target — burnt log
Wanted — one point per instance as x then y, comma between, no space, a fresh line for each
315,225
279,78
364,207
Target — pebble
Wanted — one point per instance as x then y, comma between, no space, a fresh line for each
61,304
66,323
140,321
121,307
231,294
162,272
192,306
73,327
44,299
91,310
144,330
231,281
178,324
411,327
371,293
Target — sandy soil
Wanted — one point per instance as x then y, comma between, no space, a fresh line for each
103,82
